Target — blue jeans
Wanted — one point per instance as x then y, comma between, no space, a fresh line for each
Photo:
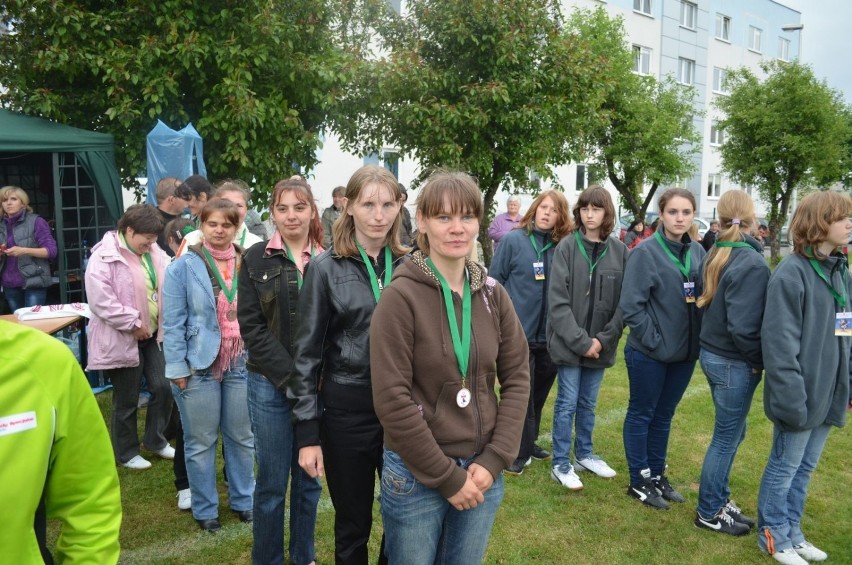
206,406
575,403
781,501
655,391
732,385
423,528
277,461
21,298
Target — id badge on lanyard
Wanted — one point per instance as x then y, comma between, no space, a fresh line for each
538,270
843,324
689,291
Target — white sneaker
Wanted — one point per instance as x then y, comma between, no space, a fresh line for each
566,477
596,466
809,551
184,499
138,463
788,557
167,452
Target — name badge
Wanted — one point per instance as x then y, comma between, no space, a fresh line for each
843,323
538,270
689,291
17,423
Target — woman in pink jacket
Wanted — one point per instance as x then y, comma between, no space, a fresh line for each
123,286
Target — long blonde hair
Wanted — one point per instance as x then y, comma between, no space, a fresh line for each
736,216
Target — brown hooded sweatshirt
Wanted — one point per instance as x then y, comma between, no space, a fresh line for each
416,377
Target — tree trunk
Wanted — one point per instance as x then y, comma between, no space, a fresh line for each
488,194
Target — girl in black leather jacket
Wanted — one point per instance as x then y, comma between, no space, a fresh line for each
270,283
337,431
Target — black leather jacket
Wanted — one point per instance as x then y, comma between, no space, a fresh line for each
331,346
266,309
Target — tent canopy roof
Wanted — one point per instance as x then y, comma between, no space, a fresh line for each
26,133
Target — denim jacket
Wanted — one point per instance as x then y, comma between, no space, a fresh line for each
191,335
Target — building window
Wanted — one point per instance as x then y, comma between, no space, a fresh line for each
688,14
582,177
641,60
642,6
714,185
754,38
783,49
719,76
717,136
388,159
686,71
723,27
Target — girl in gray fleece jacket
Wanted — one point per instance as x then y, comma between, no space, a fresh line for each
806,342
658,302
734,274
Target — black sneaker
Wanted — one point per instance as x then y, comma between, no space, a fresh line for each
539,453
517,468
647,494
723,523
666,490
734,512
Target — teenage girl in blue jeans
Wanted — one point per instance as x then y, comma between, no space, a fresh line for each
806,345
658,302
735,275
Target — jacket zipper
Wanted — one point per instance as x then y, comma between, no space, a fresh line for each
591,289
542,315
690,307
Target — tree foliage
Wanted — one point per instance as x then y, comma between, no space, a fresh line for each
497,88
256,78
783,133
649,137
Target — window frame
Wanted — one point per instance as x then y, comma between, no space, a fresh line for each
723,31
755,39
784,49
684,63
688,15
719,76
717,135
714,185
639,4
638,52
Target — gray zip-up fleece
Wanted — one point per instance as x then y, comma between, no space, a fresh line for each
807,366
580,311
663,326
730,325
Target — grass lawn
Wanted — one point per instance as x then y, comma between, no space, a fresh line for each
539,521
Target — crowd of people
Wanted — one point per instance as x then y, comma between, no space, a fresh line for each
356,357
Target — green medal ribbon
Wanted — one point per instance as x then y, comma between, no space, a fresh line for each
230,293
461,345
543,249
374,280
838,297
290,256
585,255
243,237
731,244
149,269
682,267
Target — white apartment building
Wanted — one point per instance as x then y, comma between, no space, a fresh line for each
694,40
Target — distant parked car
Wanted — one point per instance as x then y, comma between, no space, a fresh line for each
625,220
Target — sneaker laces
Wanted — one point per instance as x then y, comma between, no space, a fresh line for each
662,483
725,517
732,507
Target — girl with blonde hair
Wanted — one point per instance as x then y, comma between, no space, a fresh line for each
735,275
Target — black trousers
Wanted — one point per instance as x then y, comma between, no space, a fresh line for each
542,376
352,455
125,396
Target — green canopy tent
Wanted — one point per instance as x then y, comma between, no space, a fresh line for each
72,180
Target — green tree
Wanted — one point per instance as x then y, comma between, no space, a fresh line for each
785,132
497,88
649,138
256,78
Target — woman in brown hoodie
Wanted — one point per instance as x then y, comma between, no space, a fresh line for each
441,337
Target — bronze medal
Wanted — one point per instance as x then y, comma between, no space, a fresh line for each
231,315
